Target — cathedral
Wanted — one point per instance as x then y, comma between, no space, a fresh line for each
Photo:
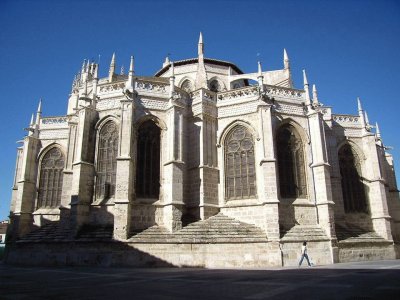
201,165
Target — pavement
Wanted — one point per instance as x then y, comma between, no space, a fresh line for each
345,281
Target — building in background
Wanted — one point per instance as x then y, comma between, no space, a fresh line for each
201,165
3,233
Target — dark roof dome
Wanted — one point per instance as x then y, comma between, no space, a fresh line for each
195,60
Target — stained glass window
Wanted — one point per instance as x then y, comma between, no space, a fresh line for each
51,179
240,172
107,161
148,161
353,190
291,167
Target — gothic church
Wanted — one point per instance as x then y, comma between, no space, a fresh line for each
201,165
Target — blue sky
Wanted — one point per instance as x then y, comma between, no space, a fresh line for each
349,49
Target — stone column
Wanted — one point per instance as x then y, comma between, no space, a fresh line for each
208,168
83,168
376,186
17,176
268,187
173,169
125,175
322,178
65,206
392,193
24,205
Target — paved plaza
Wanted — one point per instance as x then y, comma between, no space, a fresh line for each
352,281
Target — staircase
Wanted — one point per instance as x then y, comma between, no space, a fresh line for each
50,232
300,233
354,234
95,233
216,229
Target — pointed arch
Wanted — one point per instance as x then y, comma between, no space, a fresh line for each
354,195
148,159
222,137
291,162
239,167
51,163
160,123
106,159
186,84
216,85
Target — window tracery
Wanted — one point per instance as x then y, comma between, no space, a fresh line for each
354,196
148,161
240,172
291,166
107,161
51,179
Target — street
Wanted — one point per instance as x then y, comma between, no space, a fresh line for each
364,280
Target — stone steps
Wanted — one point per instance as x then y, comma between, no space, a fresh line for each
300,233
48,232
95,233
354,234
218,228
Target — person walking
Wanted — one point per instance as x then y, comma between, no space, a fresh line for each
304,255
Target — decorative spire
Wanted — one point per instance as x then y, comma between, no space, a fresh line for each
259,69
96,72
122,70
378,132
83,66
95,79
131,66
32,121
111,71
306,88
359,105
315,95
361,114
130,85
286,62
39,112
172,81
172,70
201,75
200,45
84,93
366,118
305,80
166,62
260,77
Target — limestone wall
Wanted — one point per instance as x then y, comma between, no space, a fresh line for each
224,255
366,252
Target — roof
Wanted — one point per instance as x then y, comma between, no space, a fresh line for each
195,60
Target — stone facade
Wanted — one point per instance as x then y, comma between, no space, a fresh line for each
165,165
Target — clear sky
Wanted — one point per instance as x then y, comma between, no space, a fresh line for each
349,49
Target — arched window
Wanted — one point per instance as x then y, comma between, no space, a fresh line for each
240,172
107,161
352,186
51,179
148,161
215,86
291,167
187,86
